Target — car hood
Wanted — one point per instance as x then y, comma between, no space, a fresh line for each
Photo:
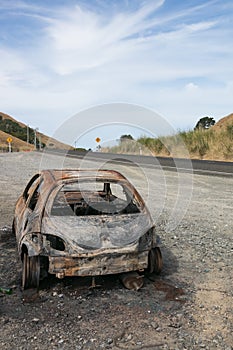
96,232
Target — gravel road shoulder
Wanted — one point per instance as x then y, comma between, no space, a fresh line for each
189,306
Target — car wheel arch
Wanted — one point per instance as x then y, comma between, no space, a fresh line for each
28,249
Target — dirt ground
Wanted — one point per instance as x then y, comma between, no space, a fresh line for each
189,306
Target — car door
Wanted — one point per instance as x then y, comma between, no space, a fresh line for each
26,205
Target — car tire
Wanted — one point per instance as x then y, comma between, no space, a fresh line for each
155,261
30,271
13,227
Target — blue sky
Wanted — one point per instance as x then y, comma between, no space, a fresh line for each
61,57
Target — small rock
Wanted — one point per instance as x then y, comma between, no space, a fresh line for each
154,325
129,337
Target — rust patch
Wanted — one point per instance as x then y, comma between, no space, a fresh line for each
172,293
132,280
82,223
30,295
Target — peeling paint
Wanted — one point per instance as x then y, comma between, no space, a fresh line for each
82,223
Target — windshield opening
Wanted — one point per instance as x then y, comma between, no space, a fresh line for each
94,198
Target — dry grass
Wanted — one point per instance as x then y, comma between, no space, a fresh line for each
16,145
215,143
19,145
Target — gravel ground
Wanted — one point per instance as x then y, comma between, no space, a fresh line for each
189,306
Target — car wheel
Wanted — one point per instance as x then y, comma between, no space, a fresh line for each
155,260
30,271
13,227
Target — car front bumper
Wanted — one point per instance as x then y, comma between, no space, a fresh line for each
97,265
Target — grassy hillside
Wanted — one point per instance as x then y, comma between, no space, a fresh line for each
19,133
224,123
16,144
215,143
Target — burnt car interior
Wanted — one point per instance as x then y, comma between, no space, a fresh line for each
111,199
32,191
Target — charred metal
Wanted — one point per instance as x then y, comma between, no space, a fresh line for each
83,223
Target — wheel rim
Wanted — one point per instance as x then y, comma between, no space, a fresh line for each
31,271
155,260
25,271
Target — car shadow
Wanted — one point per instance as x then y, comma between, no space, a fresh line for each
108,282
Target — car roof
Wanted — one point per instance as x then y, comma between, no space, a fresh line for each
56,175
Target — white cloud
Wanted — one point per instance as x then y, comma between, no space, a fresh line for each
86,40
191,87
177,62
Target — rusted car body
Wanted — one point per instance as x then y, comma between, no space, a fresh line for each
83,223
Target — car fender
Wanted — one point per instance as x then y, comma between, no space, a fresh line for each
31,249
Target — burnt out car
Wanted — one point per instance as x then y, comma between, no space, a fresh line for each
83,223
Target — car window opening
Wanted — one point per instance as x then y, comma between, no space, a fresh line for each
112,199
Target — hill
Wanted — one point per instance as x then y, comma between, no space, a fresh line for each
20,133
215,143
17,144
223,123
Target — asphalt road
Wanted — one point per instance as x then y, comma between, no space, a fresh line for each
208,167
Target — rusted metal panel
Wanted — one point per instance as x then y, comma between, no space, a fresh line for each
82,233
97,265
132,280
100,232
